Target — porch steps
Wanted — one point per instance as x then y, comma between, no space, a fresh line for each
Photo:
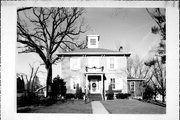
95,97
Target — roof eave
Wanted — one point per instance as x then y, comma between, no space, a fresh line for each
127,54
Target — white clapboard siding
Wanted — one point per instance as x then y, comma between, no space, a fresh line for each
75,63
118,83
93,61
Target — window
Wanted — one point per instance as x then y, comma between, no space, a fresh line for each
132,86
74,81
75,63
113,83
111,63
93,41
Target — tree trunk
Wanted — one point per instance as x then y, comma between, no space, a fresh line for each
163,98
49,78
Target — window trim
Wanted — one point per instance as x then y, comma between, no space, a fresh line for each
131,86
113,84
109,62
94,41
74,81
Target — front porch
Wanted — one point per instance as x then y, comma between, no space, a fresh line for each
95,86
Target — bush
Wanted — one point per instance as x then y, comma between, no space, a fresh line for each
58,87
79,93
70,96
149,92
110,93
122,95
110,96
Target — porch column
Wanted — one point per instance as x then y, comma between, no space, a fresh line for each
86,85
86,88
102,86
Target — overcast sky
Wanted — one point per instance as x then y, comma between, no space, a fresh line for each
130,28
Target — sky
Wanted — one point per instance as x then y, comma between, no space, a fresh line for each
130,28
127,27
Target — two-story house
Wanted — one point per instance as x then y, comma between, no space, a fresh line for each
94,68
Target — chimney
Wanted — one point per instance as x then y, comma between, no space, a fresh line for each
93,41
120,48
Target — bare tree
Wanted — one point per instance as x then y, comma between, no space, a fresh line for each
32,81
158,62
136,68
46,31
158,72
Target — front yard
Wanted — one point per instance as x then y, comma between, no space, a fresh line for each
125,106
70,106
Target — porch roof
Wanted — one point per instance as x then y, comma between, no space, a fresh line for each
136,79
94,52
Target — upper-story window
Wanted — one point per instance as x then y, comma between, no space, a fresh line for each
75,63
93,41
112,63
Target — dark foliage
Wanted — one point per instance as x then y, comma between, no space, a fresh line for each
122,95
79,93
20,85
24,101
110,93
70,96
58,87
149,92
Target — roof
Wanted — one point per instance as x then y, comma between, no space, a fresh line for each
95,52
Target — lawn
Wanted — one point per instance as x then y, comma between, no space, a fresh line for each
70,106
125,106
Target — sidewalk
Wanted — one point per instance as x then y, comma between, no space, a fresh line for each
98,108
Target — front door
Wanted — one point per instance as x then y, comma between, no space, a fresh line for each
94,86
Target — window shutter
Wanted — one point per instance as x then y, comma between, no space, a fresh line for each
115,63
108,63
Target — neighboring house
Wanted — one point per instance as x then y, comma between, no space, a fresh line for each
135,87
94,68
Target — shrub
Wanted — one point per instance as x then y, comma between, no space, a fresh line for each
110,93
58,87
70,96
110,96
149,92
122,95
79,93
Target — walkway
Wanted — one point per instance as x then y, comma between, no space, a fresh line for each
98,108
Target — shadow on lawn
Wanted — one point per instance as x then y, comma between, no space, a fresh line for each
25,105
